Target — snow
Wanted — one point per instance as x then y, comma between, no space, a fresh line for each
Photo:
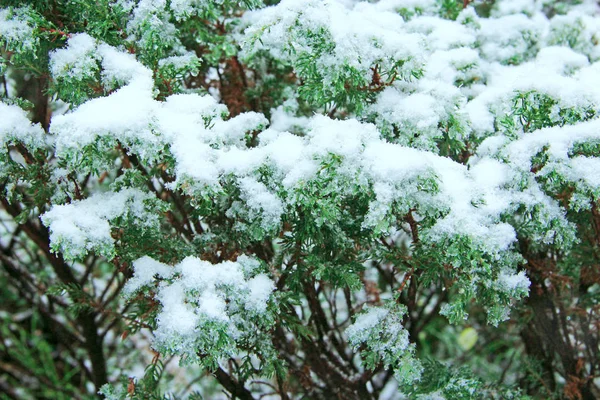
260,287
15,126
561,60
262,202
510,36
442,34
184,8
510,7
234,130
196,292
511,282
149,19
449,66
470,201
78,60
576,91
472,71
371,319
83,225
206,152
363,36
586,169
458,193
283,121
146,10
393,163
144,271
558,140
418,110
119,67
125,115
17,29
396,5
437,395
179,62
177,317
577,30
380,330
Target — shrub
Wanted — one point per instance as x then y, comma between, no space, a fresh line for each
300,199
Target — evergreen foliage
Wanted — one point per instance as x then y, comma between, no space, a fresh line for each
300,199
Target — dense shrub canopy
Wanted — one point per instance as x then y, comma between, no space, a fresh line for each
300,199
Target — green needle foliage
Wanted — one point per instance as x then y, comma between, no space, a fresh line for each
300,199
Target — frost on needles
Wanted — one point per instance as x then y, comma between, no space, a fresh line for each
445,149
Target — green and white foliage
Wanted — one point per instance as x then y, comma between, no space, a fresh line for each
18,29
267,177
85,225
386,341
208,312
16,128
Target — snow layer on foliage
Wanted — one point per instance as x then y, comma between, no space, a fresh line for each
367,158
282,121
451,65
422,6
468,83
418,116
120,67
84,225
145,270
263,203
15,126
126,114
380,330
472,67
557,141
178,62
441,34
146,126
510,7
557,72
578,30
586,169
511,282
128,111
77,60
530,7
83,56
184,8
418,110
458,193
203,155
145,12
196,292
510,37
371,319
362,36
17,29
260,288
150,19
